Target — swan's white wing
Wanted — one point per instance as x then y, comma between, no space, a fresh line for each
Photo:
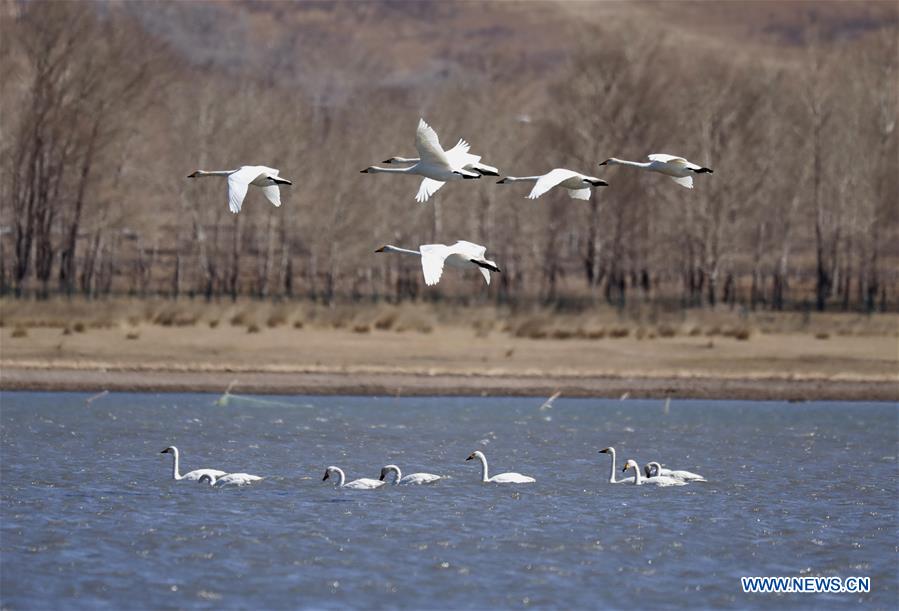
550,180
580,193
511,478
469,249
273,194
486,273
432,259
428,187
420,478
684,181
662,157
237,191
364,484
195,475
429,150
461,148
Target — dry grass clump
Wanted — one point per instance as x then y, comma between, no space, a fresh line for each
595,333
240,319
386,320
132,335
822,335
563,334
174,317
483,327
712,331
298,324
415,323
666,331
619,332
213,323
532,328
20,331
79,327
695,331
361,328
276,319
740,333
67,330
253,328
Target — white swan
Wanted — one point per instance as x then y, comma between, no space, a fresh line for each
192,475
686,476
433,163
611,452
502,478
357,484
241,178
579,186
229,479
462,255
678,168
659,480
412,478
459,157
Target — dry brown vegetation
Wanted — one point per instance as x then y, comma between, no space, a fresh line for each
108,106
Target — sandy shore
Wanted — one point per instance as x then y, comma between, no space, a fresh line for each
448,360
399,384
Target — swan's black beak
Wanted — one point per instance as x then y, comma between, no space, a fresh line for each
388,160
381,249
166,451
606,162
470,457
326,476
382,477
604,451
501,181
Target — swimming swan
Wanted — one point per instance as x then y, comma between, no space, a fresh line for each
579,186
241,178
686,476
502,478
659,480
192,475
678,168
412,478
357,484
230,479
462,255
433,163
612,480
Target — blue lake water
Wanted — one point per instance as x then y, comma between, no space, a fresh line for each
92,519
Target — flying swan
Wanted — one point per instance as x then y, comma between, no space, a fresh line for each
433,163
678,168
192,475
412,478
579,186
654,468
461,255
502,478
459,157
230,479
241,178
357,484
659,480
611,452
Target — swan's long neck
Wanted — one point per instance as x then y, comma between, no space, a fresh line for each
637,477
175,470
398,474
633,164
612,471
201,173
375,170
341,478
484,475
404,251
521,178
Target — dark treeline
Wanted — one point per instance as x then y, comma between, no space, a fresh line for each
102,121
